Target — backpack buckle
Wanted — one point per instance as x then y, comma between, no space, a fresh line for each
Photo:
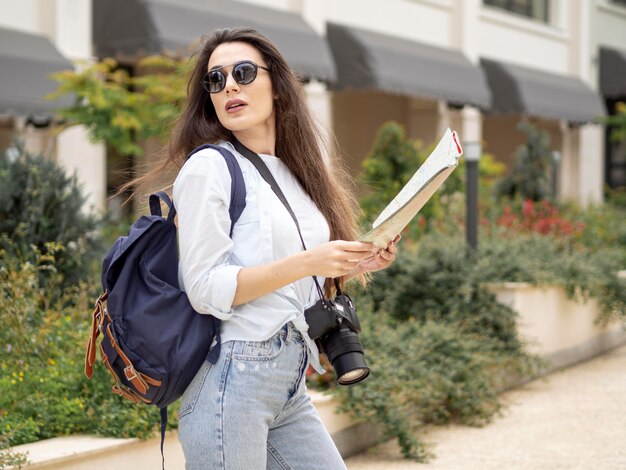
133,377
126,392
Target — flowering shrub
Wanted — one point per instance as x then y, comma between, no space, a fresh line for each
541,217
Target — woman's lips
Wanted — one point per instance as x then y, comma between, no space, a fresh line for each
234,106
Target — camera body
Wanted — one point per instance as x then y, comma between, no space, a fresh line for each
334,325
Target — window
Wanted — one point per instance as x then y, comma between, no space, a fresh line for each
535,9
615,153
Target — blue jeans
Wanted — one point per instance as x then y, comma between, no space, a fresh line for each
251,411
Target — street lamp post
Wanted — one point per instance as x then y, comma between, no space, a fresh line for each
471,152
556,159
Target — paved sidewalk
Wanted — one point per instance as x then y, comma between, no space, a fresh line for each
574,419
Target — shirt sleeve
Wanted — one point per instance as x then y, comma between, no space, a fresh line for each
202,198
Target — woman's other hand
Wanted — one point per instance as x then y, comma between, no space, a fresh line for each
338,258
377,261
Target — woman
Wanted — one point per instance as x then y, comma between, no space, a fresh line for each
250,410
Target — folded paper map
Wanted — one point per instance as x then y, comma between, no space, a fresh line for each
422,185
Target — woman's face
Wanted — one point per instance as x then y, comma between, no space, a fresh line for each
242,107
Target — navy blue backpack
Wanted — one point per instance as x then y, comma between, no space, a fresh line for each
153,341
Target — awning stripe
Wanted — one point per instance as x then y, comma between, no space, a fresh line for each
521,90
138,27
366,59
26,61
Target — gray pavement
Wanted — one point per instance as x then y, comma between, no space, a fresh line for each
573,419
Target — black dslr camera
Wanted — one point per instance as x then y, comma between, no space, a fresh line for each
334,325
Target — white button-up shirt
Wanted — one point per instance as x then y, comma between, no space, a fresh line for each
210,259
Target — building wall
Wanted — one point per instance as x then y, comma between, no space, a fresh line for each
567,45
427,21
506,37
608,25
22,15
357,117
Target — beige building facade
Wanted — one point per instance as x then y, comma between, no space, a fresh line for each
478,66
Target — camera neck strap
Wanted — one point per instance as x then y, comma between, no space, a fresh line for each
266,174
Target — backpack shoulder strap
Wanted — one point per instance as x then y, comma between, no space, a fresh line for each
237,187
155,205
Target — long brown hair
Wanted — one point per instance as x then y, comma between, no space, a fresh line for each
299,140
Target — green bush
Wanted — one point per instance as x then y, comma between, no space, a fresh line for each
39,204
605,228
44,390
427,372
440,282
439,344
543,260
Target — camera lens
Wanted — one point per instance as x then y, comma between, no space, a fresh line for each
354,376
345,353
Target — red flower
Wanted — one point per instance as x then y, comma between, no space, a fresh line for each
528,208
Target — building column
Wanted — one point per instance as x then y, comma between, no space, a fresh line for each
581,171
319,100
314,12
569,174
465,34
591,161
468,123
78,155
444,118
74,151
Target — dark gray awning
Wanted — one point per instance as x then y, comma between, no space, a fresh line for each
26,61
370,60
613,72
520,90
133,28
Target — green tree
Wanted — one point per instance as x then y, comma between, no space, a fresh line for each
530,176
121,109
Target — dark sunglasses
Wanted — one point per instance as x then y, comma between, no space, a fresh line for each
243,73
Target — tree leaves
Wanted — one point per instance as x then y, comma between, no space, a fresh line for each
124,109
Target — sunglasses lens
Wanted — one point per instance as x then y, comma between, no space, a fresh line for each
214,81
244,73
